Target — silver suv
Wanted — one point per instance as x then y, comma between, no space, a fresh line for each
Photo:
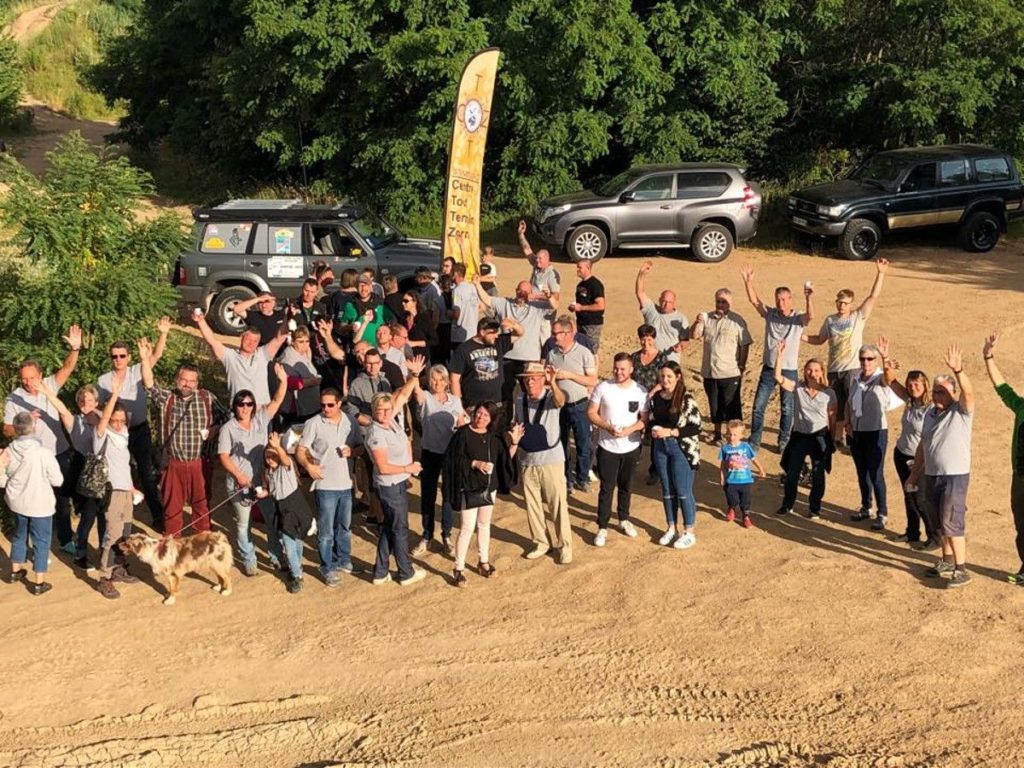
706,207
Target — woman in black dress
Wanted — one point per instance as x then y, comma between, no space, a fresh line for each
421,325
479,462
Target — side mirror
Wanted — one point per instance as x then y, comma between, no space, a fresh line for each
906,186
627,197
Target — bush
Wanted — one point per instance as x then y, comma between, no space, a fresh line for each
12,81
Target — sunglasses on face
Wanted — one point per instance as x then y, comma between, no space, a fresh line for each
865,359
118,356
328,405
246,404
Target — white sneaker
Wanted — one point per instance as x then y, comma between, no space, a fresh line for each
667,536
601,538
685,541
593,477
627,528
418,574
386,579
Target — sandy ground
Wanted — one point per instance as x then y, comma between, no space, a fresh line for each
796,643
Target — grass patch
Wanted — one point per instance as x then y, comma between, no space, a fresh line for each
57,59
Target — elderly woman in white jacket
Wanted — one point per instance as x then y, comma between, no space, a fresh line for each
29,473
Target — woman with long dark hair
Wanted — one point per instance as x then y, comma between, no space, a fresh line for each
675,422
418,321
916,392
814,415
479,461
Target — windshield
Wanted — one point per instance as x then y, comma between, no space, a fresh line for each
375,231
616,184
879,169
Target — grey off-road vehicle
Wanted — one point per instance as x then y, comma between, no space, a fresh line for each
706,207
243,247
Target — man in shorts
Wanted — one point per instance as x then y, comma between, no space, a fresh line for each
944,460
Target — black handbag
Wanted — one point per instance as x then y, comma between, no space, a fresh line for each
94,480
484,498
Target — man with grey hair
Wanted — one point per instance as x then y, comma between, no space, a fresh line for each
589,303
944,460
727,343
544,280
576,373
29,473
671,326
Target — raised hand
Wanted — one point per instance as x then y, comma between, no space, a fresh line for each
646,267
954,358
882,265
274,440
163,325
516,432
549,374
416,364
989,348
145,350
324,327
74,337
522,227
747,272
280,372
883,346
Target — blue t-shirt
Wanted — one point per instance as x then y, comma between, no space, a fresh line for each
737,463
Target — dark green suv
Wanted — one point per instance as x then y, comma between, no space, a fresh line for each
977,189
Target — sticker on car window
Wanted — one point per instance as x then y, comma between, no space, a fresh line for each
286,267
213,244
283,240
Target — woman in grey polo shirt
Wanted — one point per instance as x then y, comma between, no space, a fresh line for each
391,452
814,416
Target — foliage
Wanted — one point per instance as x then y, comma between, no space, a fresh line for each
12,81
82,256
358,93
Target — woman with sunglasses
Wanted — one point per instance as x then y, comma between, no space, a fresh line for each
478,462
867,432
422,327
303,379
916,393
814,415
391,452
240,445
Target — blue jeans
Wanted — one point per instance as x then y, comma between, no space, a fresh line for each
432,464
676,476
334,530
293,554
574,417
243,532
394,532
40,529
765,388
868,451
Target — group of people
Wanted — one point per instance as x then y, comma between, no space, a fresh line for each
333,386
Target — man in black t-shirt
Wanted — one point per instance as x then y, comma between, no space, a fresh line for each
266,320
476,369
589,303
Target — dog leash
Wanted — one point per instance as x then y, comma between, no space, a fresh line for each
194,520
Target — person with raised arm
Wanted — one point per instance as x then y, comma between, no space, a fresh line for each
246,367
672,329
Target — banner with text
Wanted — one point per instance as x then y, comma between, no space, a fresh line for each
466,160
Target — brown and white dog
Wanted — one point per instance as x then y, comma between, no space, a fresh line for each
170,559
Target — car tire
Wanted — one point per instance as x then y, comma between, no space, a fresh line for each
587,242
860,240
711,243
222,319
980,233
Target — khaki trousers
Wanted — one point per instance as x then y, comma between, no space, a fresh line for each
119,525
546,500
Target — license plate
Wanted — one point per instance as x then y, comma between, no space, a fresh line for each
798,220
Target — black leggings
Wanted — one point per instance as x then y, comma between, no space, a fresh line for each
915,516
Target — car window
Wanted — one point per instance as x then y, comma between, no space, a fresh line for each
226,237
921,177
375,231
333,240
992,169
654,188
701,184
953,173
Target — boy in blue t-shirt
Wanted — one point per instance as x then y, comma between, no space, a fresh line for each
737,457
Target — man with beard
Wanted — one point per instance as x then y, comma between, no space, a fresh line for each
365,312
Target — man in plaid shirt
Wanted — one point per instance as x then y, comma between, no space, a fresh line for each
189,420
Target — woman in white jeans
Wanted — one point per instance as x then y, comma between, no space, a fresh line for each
478,462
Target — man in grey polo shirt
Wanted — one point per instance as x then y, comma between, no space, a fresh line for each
248,366
545,281
29,398
781,323
576,374
133,399
944,458
673,329
329,443
465,311
543,461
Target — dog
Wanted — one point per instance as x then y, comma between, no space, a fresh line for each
172,558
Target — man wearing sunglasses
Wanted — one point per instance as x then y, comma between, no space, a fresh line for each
727,343
133,399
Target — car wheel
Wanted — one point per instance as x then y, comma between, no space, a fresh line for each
860,240
711,243
587,242
222,318
980,232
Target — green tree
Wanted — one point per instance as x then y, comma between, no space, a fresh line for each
12,80
82,255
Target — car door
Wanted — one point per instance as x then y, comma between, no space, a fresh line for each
914,205
339,246
648,211
953,191
276,256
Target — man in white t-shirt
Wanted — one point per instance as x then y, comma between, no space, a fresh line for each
781,323
618,409
844,332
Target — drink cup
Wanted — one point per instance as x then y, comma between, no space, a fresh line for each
204,433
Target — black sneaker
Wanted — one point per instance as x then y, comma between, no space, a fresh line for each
959,578
814,514
294,586
928,545
941,568
40,589
878,524
783,511
860,515
81,562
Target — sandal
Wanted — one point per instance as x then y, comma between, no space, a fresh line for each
486,570
459,578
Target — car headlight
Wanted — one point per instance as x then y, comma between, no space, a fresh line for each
832,211
546,213
791,202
